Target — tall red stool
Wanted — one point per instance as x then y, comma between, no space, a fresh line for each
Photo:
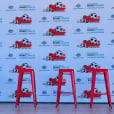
106,77
20,78
61,71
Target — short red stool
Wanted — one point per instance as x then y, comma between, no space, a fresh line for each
20,78
106,77
61,71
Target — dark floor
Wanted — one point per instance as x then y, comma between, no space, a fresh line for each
28,108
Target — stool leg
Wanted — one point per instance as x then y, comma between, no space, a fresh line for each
19,88
73,87
92,87
59,88
107,87
33,87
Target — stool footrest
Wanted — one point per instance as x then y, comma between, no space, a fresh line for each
67,93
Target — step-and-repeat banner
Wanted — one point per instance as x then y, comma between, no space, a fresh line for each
51,34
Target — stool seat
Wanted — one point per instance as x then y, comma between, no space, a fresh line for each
27,70
106,77
21,71
61,71
99,70
66,70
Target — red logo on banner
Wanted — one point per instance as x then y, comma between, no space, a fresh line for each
87,94
58,31
57,56
24,93
56,7
22,44
92,43
92,18
54,82
25,19
24,66
87,69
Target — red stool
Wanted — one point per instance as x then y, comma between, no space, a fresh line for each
105,71
20,78
61,71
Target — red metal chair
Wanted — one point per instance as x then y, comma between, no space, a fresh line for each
20,78
61,71
106,77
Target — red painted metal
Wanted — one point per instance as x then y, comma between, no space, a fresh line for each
61,71
94,72
20,78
